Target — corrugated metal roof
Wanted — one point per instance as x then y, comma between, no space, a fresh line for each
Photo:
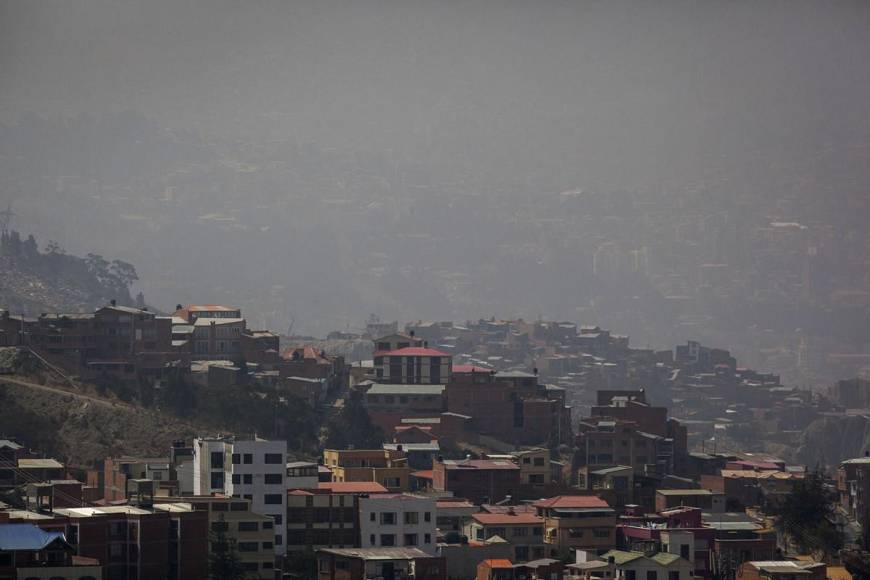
377,553
28,537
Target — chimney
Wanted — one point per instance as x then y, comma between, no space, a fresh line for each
113,302
178,307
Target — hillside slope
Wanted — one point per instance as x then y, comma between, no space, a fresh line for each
79,429
34,281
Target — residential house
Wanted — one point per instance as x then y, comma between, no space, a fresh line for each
27,551
522,528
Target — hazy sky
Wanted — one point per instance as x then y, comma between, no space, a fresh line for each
636,89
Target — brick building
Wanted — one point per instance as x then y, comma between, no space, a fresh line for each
478,480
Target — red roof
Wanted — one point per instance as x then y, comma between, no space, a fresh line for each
470,369
502,519
572,501
411,351
352,486
498,563
425,474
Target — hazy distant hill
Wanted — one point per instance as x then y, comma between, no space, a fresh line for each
34,281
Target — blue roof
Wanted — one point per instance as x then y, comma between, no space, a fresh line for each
26,537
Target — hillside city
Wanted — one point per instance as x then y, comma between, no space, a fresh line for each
489,449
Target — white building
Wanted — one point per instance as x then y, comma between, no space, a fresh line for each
253,469
397,520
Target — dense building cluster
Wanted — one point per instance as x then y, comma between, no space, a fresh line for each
511,450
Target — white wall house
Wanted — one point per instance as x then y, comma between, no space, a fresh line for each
397,520
253,469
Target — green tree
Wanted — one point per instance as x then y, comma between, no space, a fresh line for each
805,517
353,426
223,559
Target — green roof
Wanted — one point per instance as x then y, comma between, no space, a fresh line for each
621,557
665,558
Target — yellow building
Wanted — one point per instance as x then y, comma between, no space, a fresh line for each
386,467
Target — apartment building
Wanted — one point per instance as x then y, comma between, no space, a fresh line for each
398,520
414,365
252,532
254,469
580,522
327,516
386,467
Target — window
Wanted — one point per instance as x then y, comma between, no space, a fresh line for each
248,458
238,506
267,525
272,499
248,478
520,531
373,517
427,516
652,575
521,552
237,479
248,526
217,480
410,539
220,507
527,460
392,482
6,560
273,479
575,533
537,531
388,539
217,460
372,540
675,575
248,546
268,546
630,575
237,458
601,533
412,518
684,551
539,461
278,519
279,539
427,538
388,519
273,459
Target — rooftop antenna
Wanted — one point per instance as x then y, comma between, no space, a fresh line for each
6,219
